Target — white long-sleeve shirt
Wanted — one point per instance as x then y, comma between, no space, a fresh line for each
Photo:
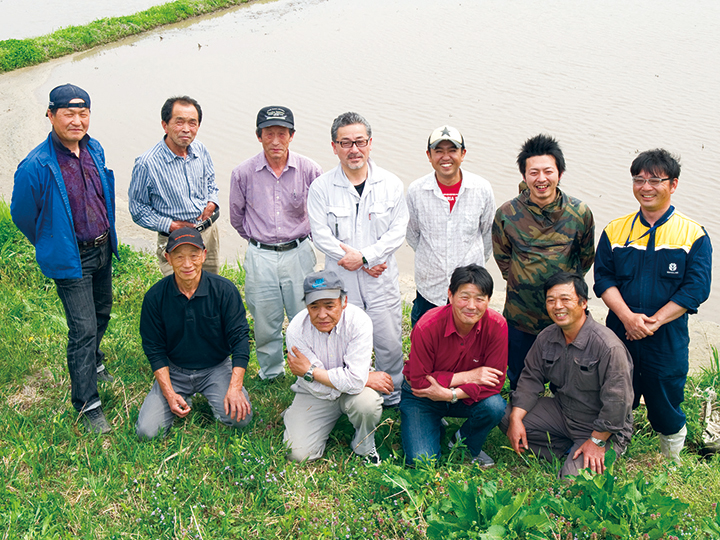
345,352
444,240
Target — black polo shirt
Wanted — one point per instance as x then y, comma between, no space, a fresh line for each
197,332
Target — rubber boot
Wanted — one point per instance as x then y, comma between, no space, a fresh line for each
670,445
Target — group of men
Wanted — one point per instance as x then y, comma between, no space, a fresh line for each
652,268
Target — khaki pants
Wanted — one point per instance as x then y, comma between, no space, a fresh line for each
309,421
211,239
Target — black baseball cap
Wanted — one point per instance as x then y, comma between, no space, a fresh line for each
61,96
186,235
275,115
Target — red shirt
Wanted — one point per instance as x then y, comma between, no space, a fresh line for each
437,349
450,192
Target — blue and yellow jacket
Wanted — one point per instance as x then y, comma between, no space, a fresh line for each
651,266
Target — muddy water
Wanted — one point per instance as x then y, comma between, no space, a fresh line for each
29,18
608,79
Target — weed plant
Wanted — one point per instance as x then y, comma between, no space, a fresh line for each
18,53
206,482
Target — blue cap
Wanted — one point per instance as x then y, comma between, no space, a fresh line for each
61,96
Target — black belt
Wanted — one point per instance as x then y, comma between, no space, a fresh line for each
99,241
287,246
202,225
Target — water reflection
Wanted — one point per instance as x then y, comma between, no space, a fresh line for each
607,79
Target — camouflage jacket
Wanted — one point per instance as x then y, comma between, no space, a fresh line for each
531,244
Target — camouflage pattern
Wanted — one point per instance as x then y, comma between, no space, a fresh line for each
531,244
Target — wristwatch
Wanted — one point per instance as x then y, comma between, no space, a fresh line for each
599,442
454,394
309,374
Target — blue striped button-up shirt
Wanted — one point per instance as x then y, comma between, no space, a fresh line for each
166,187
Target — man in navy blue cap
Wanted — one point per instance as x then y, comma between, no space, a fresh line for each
64,202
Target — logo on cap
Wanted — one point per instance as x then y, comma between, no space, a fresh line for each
276,113
318,283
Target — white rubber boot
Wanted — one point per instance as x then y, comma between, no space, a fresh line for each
670,445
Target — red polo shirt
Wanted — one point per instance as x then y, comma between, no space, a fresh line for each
437,349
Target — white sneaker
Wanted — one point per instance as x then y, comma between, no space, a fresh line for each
373,458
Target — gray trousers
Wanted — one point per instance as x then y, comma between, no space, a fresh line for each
155,416
309,421
550,435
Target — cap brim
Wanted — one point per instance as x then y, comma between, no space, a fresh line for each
281,123
324,294
182,244
456,143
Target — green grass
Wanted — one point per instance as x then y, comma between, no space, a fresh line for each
206,482
19,53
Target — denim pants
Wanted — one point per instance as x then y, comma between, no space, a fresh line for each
420,306
421,426
87,302
155,416
519,344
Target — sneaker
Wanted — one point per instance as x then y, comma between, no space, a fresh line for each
104,375
483,460
455,439
95,421
373,458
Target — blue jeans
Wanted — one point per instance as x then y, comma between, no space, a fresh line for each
87,302
421,423
155,416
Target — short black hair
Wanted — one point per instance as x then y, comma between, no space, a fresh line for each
472,274
562,278
541,145
166,111
659,162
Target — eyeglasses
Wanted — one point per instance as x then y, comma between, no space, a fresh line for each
360,143
639,181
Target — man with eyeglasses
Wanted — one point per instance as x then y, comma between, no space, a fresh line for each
451,217
653,269
63,201
268,208
173,184
358,219
538,233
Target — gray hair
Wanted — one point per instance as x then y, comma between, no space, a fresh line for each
348,119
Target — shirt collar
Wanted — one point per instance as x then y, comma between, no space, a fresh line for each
581,340
202,290
170,155
292,162
60,147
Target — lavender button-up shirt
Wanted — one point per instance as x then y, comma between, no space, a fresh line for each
271,209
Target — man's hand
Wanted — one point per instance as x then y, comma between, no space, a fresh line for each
236,405
178,405
175,225
638,326
352,260
209,209
435,391
376,271
516,433
484,376
593,456
298,362
380,382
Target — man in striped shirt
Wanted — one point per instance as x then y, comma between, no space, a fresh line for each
173,183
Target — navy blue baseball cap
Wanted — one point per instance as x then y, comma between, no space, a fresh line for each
61,96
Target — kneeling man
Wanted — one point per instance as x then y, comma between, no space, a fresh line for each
591,371
329,349
192,321
456,368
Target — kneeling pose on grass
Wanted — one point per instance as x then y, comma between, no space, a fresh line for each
191,322
590,371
